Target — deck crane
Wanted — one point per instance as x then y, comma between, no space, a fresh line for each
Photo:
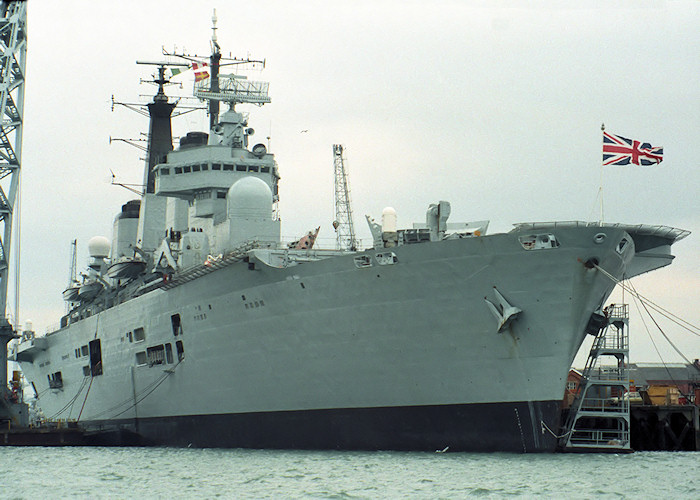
343,225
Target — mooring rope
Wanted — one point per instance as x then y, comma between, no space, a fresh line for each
695,330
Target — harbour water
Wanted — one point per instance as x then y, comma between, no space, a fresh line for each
34,472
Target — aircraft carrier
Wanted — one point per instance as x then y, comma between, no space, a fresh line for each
197,326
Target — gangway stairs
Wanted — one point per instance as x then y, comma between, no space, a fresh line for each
599,418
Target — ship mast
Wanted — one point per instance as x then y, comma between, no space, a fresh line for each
214,62
73,273
216,87
13,52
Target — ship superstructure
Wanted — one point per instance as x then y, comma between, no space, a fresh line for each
197,326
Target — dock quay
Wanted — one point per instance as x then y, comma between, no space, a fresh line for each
616,406
66,434
665,428
54,435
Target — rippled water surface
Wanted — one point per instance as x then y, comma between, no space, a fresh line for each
205,473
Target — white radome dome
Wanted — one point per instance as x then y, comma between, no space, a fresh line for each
389,220
98,247
249,197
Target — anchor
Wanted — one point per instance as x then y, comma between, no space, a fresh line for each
504,312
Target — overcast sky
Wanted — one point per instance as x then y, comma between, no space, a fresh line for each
492,106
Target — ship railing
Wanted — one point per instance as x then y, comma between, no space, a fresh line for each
53,328
609,374
604,405
321,243
600,437
667,232
613,342
211,265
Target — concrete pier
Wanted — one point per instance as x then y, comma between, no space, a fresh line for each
665,428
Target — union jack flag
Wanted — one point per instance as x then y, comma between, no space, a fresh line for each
621,151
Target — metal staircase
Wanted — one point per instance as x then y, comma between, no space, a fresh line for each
599,418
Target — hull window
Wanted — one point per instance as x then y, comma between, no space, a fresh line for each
95,357
140,358
156,355
139,334
180,350
55,380
177,324
169,353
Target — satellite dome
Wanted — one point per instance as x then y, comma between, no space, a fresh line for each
98,247
249,197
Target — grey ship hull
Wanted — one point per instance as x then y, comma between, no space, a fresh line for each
329,355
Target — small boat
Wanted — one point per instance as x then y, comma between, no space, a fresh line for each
126,267
89,290
70,294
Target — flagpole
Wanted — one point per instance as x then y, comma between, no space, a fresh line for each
600,188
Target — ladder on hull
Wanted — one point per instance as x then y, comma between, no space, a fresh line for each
599,418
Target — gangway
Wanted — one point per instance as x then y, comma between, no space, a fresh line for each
599,418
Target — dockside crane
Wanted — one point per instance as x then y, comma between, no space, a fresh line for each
13,55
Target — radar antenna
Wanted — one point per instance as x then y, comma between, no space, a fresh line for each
215,87
13,56
343,212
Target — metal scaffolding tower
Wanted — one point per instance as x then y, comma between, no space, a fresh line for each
599,417
13,52
345,232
